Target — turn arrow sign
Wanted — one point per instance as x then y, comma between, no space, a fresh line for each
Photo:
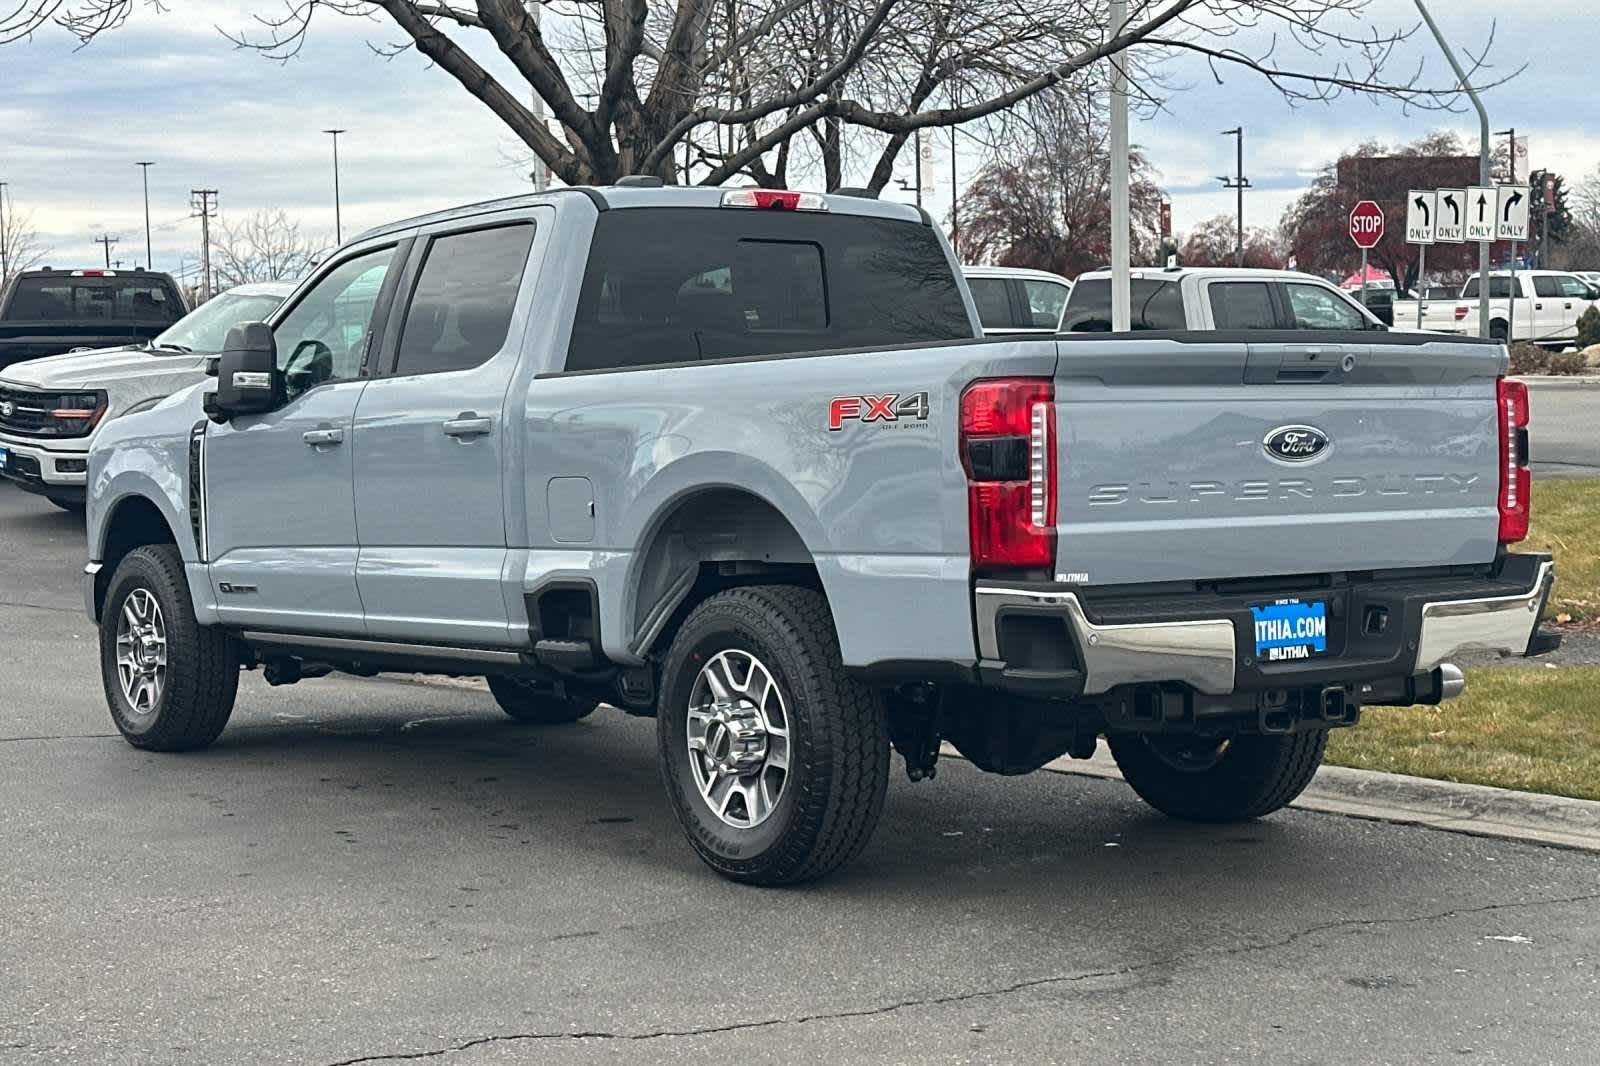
1455,208
1512,201
1422,205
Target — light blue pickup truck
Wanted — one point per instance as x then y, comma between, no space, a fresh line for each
740,460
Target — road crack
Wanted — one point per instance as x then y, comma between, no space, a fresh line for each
997,992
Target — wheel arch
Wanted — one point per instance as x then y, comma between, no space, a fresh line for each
132,521
709,536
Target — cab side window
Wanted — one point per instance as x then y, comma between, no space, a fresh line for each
1314,307
993,302
325,335
1572,288
1546,285
465,294
1242,305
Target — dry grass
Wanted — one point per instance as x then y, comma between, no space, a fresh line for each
1566,521
1530,728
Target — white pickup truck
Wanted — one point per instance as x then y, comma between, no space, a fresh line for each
1545,311
1217,298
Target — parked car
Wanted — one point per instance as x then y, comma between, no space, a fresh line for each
47,312
737,459
51,409
1015,300
1545,311
1217,298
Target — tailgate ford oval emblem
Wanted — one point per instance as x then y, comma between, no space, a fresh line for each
1296,444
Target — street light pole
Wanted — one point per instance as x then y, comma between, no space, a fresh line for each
1511,163
1240,183
5,229
338,222
1121,295
144,170
1483,161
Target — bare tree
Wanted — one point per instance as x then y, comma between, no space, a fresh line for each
23,247
1045,200
722,88
265,246
1215,242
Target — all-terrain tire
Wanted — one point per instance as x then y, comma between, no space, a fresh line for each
837,738
1253,776
201,679
528,703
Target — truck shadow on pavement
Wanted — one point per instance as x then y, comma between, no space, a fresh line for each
590,794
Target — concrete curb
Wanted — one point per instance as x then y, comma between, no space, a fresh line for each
1558,379
1477,810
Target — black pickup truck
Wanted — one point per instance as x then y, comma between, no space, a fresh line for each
47,312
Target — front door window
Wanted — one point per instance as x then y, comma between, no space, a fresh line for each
325,336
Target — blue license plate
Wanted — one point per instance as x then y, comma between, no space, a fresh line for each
4,456
1291,629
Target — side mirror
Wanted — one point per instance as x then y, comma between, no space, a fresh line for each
248,378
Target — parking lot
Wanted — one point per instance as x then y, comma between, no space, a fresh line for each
382,871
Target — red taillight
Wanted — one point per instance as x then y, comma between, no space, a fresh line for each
1461,312
1511,415
1008,429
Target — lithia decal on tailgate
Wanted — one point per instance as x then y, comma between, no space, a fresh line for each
890,409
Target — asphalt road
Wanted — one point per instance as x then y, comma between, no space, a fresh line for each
1564,427
380,871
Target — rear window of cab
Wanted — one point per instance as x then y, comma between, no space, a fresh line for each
680,285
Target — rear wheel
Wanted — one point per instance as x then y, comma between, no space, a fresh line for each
535,704
776,760
170,682
1499,331
1208,780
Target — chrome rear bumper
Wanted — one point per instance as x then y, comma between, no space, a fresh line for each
1503,624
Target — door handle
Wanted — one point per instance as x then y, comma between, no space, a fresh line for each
319,437
1538,307
468,424
1569,307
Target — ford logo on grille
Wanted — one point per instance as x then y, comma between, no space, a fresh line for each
1296,444
7,408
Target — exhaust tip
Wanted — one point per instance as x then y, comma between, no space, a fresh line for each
1452,682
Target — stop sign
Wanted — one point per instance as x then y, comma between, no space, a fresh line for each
1366,224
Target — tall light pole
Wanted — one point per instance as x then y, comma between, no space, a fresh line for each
144,170
338,222
5,228
1121,294
1483,161
1239,183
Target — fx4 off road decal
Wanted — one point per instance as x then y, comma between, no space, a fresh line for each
888,408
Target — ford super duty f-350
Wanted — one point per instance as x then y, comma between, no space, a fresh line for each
739,460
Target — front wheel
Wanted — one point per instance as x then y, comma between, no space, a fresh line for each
776,761
169,681
1203,779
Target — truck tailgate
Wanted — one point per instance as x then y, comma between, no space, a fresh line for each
1182,461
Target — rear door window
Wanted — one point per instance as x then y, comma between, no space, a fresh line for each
1242,305
1546,285
462,304
1045,301
678,285
993,299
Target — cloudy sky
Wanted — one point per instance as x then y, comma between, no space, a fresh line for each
168,87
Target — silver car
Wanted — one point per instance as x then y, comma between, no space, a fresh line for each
51,408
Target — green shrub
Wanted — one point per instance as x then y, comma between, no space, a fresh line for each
1568,363
1529,359
1589,327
